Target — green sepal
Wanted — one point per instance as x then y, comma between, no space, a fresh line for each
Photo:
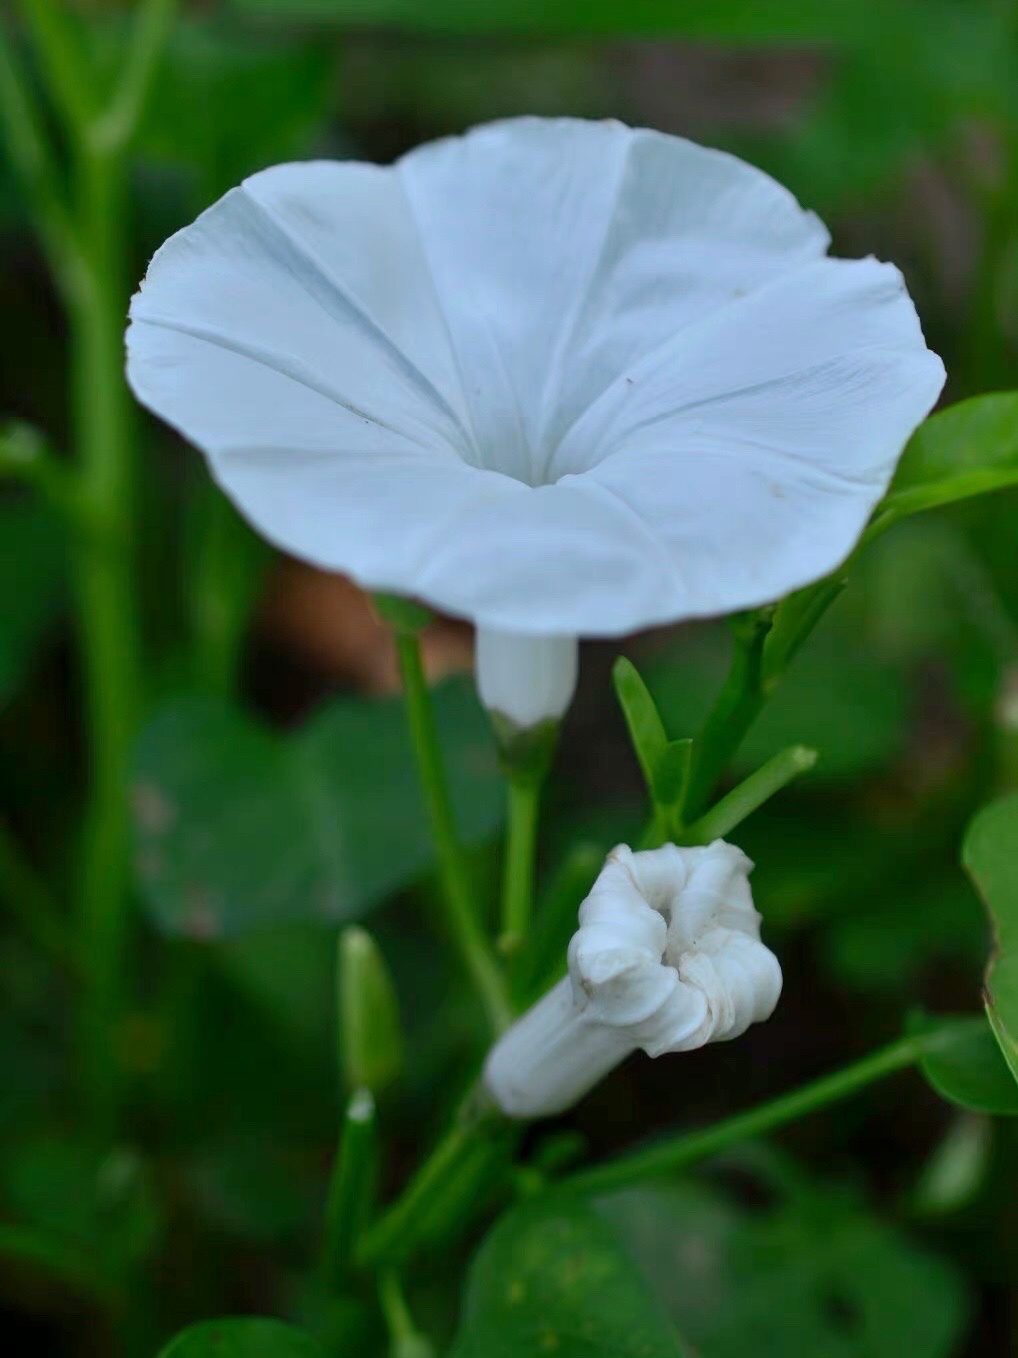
405,616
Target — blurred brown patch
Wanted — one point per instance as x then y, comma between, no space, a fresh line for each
328,622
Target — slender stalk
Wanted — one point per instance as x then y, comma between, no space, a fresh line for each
682,1151
61,60
109,639
351,1188
750,795
395,1231
449,1187
520,857
461,912
405,1340
734,711
148,38
35,164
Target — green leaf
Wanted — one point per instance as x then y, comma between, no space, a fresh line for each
809,1272
966,450
646,730
249,103
990,855
553,1278
237,828
247,1337
664,762
32,568
964,1065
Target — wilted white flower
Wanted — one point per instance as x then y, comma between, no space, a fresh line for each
560,378
667,957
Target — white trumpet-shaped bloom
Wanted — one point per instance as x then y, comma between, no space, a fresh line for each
560,378
667,957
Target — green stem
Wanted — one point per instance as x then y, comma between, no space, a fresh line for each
36,166
750,795
734,711
151,29
405,1340
110,643
679,1153
520,857
351,1189
448,1188
461,912
62,61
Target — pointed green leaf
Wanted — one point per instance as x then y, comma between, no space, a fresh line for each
646,730
990,855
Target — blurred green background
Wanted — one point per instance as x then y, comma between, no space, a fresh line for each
271,765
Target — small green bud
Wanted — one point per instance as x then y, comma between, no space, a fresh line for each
405,616
370,1036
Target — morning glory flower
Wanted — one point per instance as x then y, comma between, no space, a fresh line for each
560,378
667,957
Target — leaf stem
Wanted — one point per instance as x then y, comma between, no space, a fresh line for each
108,625
750,795
116,126
734,711
461,911
351,1188
679,1152
520,857
453,1184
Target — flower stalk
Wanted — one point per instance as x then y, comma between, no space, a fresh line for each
462,916
668,1157
86,244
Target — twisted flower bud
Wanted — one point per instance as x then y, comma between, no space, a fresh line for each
667,957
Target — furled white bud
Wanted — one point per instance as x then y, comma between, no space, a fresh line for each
667,957
528,679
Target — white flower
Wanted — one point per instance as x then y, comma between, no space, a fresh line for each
557,377
667,957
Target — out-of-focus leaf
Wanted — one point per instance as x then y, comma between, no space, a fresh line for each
964,1065
990,855
739,20
894,927
896,97
813,1274
31,585
851,707
966,450
237,828
223,107
104,1205
245,1337
553,1278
